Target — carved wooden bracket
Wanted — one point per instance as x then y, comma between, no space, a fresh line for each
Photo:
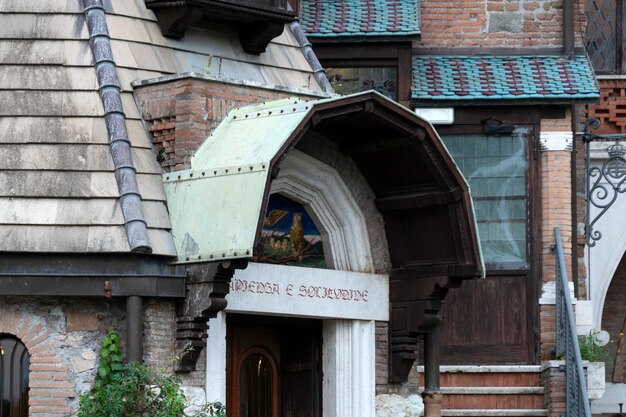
257,22
207,286
416,307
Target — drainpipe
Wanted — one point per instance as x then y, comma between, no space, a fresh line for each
568,28
432,391
134,329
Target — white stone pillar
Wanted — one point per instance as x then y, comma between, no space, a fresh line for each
215,374
349,368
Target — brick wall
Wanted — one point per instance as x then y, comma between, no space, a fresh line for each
493,23
556,209
553,380
180,114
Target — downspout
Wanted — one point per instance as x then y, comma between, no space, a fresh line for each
115,119
134,329
568,28
309,55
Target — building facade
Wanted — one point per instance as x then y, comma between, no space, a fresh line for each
175,166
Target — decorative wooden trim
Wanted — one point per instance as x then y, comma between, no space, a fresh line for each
257,22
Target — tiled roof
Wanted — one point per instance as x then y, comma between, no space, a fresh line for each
357,18
547,77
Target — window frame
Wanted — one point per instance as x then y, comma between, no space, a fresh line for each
620,38
370,55
23,377
533,220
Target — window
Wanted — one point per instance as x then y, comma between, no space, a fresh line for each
496,168
14,363
384,67
354,80
257,385
605,34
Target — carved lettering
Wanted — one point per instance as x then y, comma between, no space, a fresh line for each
304,291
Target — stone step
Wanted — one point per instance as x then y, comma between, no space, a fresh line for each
489,376
491,390
493,413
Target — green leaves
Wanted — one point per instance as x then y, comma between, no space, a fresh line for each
134,390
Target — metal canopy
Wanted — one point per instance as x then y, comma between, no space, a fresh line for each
217,206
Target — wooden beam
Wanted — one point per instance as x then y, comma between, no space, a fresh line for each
418,200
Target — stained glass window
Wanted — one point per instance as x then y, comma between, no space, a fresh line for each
289,235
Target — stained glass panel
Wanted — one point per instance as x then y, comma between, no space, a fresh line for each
289,235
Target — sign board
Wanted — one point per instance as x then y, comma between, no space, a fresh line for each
309,292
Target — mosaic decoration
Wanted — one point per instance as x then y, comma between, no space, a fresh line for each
345,18
289,236
503,77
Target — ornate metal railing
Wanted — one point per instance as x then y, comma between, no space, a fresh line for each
577,400
604,183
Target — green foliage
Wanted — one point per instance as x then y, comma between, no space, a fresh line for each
135,390
590,348
215,409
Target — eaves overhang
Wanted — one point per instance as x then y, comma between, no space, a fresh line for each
217,206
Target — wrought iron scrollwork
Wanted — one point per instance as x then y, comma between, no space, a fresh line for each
604,183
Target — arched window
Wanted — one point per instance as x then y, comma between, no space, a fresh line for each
14,363
258,384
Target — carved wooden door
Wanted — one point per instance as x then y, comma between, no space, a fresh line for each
273,367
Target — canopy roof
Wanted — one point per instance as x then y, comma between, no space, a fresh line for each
218,205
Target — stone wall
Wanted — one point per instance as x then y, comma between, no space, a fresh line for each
63,338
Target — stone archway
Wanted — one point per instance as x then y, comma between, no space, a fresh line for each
51,385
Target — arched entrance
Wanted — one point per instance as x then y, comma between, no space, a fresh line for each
14,365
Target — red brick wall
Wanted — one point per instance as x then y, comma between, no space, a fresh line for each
556,209
180,114
493,23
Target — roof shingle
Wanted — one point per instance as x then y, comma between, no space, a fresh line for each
503,78
358,18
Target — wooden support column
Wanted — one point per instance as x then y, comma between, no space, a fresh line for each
432,395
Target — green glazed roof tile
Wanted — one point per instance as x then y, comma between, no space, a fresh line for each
437,77
358,18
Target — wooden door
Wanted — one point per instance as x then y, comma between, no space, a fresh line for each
273,367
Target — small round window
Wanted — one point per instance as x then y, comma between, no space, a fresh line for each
257,385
